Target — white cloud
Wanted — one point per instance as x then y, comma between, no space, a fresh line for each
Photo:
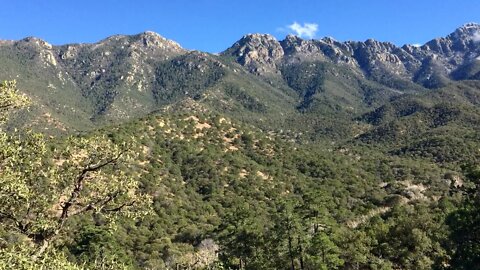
306,30
476,36
417,45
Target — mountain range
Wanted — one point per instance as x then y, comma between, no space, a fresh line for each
316,87
270,153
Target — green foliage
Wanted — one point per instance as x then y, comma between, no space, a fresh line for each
20,258
326,253
10,99
464,241
307,79
189,75
42,188
96,248
247,101
227,195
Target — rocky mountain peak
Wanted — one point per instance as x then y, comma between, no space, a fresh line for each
258,52
326,49
292,39
152,39
258,38
458,47
376,45
37,41
265,44
152,33
427,65
468,30
297,49
329,40
291,44
147,41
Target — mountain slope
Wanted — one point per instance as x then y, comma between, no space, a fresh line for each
315,87
440,125
430,65
203,168
385,135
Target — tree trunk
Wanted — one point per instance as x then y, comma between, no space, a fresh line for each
323,255
290,248
302,266
42,249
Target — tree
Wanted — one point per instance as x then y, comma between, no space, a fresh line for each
242,237
324,252
355,246
18,257
288,232
464,223
96,246
43,185
10,99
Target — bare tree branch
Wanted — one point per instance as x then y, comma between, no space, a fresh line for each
11,218
5,106
116,209
78,186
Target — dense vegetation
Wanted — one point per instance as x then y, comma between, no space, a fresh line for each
197,190
352,156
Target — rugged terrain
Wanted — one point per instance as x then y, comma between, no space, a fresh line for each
303,154
270,83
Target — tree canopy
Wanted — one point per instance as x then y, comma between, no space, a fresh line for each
43,186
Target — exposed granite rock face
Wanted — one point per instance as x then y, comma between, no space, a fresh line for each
376,57
155,43
338,52
110,73
127,75
259,53
430,65
293,45
463,40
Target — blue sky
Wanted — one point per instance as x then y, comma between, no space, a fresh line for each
213,26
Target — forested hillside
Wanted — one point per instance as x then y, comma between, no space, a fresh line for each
134,153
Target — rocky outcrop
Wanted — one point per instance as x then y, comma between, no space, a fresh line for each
430,65
124,76
259,53
116,72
